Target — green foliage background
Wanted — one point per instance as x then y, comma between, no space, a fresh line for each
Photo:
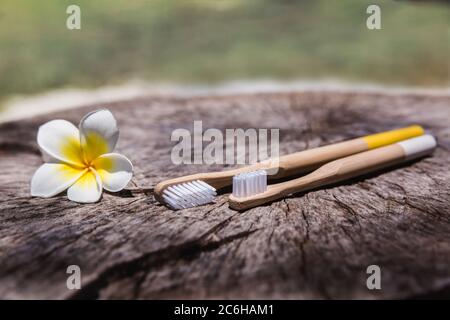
210,41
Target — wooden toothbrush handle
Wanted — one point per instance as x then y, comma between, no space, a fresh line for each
373,160
309,160
332,172
348,167
342,169
294,163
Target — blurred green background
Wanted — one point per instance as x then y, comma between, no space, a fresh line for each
211,41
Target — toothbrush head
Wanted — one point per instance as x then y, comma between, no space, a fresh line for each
188,194
249,184
250,190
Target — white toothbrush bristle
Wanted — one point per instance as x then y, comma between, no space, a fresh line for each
249,183
189,194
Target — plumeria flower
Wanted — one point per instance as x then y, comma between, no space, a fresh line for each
81,160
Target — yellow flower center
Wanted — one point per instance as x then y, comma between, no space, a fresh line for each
83,155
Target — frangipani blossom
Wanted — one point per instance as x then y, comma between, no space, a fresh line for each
81,160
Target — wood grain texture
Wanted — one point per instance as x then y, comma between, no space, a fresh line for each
313,245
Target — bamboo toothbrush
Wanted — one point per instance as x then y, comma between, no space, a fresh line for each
250,189
197,189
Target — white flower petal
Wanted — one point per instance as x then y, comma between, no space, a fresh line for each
98,133
87,189
115,170
59,139
53,178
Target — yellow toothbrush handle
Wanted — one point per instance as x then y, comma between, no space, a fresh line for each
311,159
384,138
342,169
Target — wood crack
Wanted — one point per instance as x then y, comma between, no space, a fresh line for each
151,260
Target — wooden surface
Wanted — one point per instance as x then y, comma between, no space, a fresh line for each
316,245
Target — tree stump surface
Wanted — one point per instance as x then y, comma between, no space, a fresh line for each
313,245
